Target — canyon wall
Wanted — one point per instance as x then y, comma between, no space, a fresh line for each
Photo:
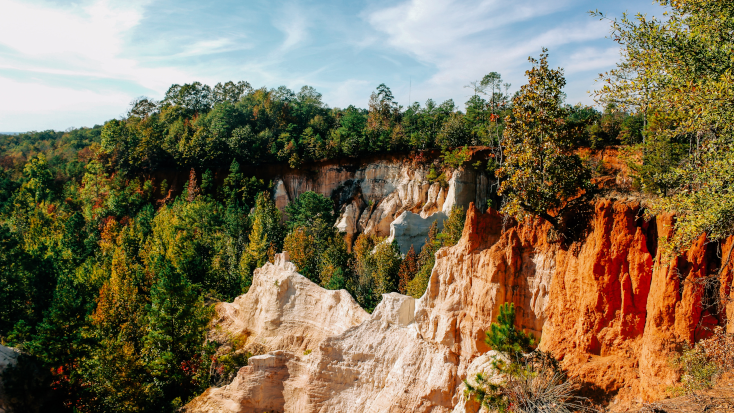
608,304
390,198
372,192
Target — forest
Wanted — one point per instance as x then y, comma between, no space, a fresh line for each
107,284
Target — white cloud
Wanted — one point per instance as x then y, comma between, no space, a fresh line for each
83,40
293,22
46,107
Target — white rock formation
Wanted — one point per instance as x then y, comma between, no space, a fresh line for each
411,229
373,195
285,311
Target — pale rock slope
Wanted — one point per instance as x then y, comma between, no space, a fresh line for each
286,311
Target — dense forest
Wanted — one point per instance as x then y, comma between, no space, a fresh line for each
107,283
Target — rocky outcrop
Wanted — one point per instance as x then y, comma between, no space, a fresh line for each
607,304
286,311
257,388
411,229
8,357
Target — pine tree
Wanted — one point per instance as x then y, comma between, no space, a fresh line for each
176,332
505,337
408,270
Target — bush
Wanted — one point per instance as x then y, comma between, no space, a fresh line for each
456,158
704,363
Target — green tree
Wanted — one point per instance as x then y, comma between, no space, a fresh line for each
176,332
680,66
426,260
309,207
505,337
301,250
385,260
540,172
453,227
266,234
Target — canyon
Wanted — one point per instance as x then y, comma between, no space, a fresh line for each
609,304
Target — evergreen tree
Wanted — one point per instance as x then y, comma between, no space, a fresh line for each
308,208
176,332
386,261
505,337
426,260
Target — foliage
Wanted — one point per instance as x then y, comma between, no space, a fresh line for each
309,207
453,227
504,337
703,364
456,158
407,271
540,173
679,68
426,260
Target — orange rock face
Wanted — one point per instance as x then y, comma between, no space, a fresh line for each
609,305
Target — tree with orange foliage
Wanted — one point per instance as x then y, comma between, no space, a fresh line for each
408,269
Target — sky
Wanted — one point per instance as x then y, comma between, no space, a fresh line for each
79,63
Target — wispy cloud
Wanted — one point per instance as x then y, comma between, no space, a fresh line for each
464,39
50,107
293,21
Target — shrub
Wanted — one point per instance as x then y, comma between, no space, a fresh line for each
704,363
456,158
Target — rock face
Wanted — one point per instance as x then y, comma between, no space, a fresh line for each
608,305
411,229
373,195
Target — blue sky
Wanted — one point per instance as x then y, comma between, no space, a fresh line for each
78,63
